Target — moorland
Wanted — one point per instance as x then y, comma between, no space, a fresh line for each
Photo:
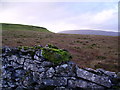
91,51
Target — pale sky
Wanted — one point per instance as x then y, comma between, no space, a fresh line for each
60,16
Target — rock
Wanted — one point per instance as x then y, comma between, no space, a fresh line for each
50,72
56,81
32,67
46,64
28,80
83,84
107,73
37,62
14,64
91,70
26,57
111,74
41,69
21,61
6,49
11,84
39,53
19,73
101,80
64,66
62,88
42,75
36,57
100,70
65,70
21,88
37,77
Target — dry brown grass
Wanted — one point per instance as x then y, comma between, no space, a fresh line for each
87,50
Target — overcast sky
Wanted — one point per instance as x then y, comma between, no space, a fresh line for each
59,16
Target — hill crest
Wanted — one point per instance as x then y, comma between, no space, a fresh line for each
9,26
91,32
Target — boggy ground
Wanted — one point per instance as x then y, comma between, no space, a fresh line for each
87,50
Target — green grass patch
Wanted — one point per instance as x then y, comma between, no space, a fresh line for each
7,26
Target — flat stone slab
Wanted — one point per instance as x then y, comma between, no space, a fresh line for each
100,80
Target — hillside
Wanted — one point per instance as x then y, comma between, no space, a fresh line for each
7,26
92,51
91,32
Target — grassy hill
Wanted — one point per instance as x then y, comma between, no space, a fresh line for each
7,26
92,51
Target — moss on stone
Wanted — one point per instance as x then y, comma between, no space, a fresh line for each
56,55
29,50
50,52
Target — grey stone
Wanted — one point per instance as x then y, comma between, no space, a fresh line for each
39,53
36,57
46,64
48,82
26,64
65,70
26,56
28,80
37,77
42,75
31,61
14,64
20,88
56,81
62,88
41,69
91,70
19,73
64,66
106,73
20,61
33,67
50,72
101,80
37,62
100,70
83,84
111,74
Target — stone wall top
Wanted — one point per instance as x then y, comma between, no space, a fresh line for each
23,69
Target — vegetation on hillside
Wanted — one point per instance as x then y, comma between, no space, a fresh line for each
7,26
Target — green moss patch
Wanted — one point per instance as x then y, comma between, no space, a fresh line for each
56,55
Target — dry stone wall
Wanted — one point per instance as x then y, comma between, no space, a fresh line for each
21,71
